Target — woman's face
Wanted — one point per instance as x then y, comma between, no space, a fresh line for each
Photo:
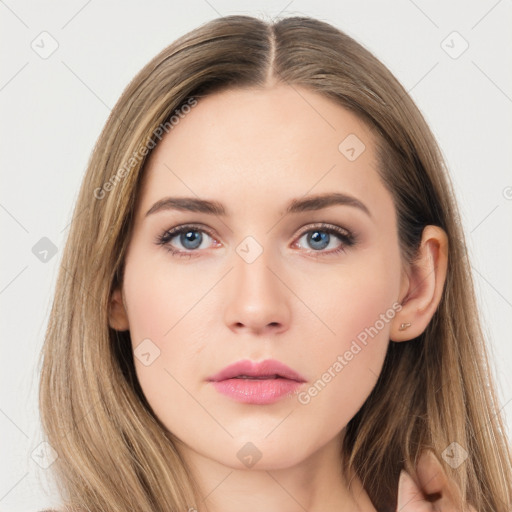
259,282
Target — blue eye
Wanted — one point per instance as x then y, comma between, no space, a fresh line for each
319,238
190,237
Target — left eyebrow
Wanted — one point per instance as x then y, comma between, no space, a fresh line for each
320,201
298,205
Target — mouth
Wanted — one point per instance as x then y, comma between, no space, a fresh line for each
257,383
264,370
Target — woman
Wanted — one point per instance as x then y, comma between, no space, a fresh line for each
265,301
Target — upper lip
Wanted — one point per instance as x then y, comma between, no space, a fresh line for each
267,368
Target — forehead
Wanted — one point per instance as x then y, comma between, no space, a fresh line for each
253,144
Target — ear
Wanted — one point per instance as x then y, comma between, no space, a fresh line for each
118,317
422,286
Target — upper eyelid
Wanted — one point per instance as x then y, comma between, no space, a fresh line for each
303,229
325,226
192,227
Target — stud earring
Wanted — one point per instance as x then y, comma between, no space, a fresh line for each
404,326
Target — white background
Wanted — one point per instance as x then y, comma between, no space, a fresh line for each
53,109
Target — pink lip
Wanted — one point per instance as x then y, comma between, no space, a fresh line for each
281,381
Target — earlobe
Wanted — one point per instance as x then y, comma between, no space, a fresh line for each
118,317
422,286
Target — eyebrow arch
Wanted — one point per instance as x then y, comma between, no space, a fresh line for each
310,203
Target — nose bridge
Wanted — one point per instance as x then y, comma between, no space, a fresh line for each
257,297
253,261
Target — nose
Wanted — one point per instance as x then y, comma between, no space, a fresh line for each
257,297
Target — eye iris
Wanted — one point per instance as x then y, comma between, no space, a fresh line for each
191,236
318,237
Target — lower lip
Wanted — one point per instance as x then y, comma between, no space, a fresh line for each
256,391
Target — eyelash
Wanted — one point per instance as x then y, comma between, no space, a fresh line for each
346,237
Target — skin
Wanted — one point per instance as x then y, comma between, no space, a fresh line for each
254,150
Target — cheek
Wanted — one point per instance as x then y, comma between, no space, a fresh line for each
357,296
162,306
357,308
159,296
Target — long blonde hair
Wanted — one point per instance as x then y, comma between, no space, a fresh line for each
113,452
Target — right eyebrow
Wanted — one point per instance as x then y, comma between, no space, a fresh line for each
188,204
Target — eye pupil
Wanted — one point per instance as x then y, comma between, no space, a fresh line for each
191,236
319,237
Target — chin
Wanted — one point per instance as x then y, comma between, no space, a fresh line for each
260,454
